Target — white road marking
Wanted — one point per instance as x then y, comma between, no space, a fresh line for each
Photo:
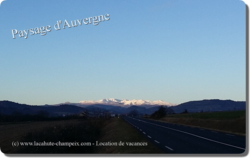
169,148
157,141
144,133
149,137
196,136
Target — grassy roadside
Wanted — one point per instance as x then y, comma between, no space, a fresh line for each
16,131
230,122
118,130
75,130
92,130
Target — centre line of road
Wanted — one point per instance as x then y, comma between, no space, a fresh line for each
196,136
168,148
157,141
149,137
144,133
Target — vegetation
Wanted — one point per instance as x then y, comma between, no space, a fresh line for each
77,132
227,121
73,130
224,115
117,130
160,113
185,111
17,117
17,131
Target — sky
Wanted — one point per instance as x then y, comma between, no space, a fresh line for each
170,50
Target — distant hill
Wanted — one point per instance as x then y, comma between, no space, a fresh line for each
8,107
123,110
210,105
192,106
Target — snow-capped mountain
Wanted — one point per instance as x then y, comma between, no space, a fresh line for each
125,102
102,101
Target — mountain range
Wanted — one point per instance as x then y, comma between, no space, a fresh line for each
210,106
123,102
121,106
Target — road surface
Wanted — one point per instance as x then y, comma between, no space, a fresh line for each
181,139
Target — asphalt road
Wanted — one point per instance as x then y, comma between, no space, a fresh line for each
180,139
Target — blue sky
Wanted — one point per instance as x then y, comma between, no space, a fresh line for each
171,50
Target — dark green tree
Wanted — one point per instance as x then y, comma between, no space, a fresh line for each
160,113
185,111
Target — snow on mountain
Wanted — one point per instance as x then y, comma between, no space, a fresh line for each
102,101
126,102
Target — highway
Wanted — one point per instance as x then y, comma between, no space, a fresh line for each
180,139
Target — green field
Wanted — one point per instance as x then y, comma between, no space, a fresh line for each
229,121
225,115
118,130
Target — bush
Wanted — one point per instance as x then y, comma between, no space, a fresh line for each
160,113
